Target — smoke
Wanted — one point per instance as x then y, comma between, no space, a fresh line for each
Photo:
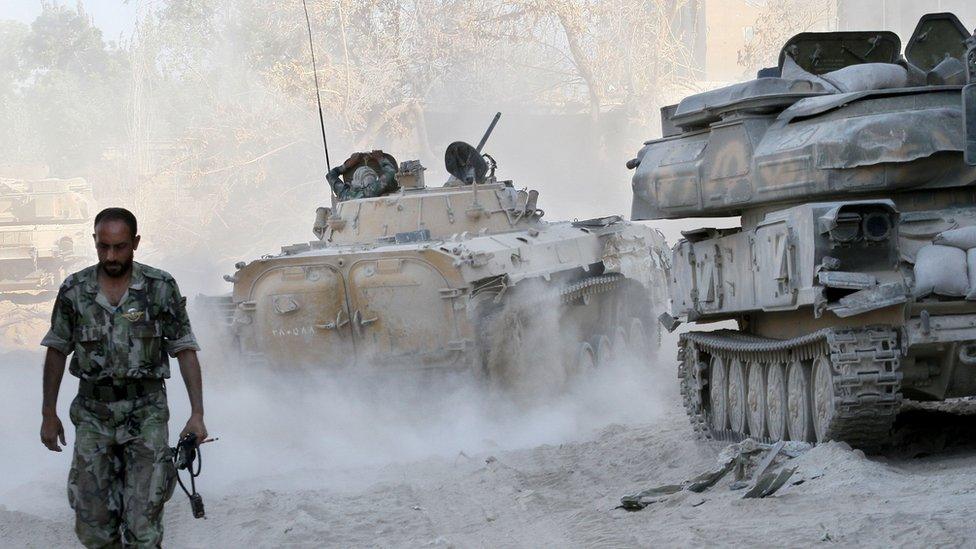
292,427
299,429
274,425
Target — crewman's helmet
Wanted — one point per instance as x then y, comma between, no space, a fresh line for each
363,177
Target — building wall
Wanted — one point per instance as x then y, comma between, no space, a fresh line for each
729,24
899,16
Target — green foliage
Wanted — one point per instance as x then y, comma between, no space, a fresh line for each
62,89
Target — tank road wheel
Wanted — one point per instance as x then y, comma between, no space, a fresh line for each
718,394
585,359
756,400
800,416
604,351
637,339
737,396
620,348
507,358
823,397
776,402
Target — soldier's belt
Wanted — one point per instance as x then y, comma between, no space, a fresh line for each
115,391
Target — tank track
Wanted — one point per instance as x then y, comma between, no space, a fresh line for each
864,362
589,286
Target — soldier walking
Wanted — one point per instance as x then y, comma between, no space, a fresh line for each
119,319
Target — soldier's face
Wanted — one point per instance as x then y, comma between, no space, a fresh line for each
115,245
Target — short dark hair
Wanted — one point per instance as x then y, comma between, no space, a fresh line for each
118,214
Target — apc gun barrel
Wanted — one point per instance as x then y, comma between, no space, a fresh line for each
491,128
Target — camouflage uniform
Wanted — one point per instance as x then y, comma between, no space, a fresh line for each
121,473
384,184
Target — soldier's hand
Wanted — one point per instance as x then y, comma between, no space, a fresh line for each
51,432
195,425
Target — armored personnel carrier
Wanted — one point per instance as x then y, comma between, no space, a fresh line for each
464,277
851,167
45,226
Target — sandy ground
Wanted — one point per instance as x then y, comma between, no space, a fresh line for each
321,471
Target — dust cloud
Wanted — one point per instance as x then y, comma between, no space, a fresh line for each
305,430
301,434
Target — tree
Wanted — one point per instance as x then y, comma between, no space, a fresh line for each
779,21
61,87
208,111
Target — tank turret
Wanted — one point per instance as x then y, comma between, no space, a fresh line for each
851,165
45,225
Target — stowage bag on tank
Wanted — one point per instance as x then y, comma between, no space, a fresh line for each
963,238
971,261
941,270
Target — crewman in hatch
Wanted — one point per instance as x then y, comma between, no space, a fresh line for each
364,175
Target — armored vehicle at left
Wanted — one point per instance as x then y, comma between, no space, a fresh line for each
44,230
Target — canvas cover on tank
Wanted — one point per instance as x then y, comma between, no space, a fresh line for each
845,115
762,94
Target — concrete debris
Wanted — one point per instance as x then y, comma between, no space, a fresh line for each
653,495
757,466
769,483
738,485
768,460
705,481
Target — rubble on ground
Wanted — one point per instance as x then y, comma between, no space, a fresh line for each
758,468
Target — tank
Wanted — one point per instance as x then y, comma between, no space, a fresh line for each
850,167
45,228
454,278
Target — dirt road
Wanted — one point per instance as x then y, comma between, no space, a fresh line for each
552,488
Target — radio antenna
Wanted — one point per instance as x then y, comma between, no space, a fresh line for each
318,98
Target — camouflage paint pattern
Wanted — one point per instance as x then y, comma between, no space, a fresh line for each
122,472
125,342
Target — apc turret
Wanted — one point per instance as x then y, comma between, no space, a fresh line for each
462,277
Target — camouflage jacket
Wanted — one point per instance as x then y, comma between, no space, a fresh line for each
128,341
386,183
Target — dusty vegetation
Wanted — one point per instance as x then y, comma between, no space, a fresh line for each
202,120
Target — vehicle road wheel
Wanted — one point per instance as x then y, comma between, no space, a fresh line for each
737,396
756,400
604,351
823,397
621,351
776,402
718,393
800,423
585,359
637,339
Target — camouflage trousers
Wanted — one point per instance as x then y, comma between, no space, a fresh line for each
121,473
